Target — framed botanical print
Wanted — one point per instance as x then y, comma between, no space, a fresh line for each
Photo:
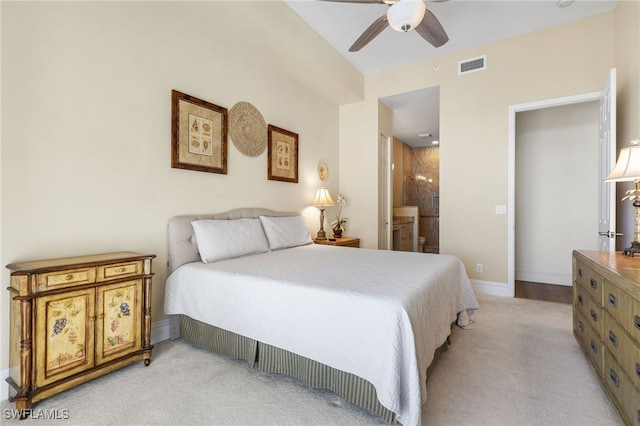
283,154
198,134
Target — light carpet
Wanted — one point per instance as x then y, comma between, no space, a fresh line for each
519,365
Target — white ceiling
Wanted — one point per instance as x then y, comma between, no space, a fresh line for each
468,23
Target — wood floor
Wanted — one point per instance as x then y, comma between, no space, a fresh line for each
547,292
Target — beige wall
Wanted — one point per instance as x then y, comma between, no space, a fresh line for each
86,91
570,59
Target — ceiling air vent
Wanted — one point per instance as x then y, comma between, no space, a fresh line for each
472,65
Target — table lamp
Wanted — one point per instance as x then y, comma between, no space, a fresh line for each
627,168
322,199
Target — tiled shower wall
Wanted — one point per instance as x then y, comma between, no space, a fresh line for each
422,189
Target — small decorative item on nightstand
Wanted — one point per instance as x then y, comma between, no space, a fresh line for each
338,224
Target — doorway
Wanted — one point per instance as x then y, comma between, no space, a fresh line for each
511,206
556,190
416,166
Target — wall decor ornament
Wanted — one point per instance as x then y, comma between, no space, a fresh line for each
283,155
323,172
198,134
247,129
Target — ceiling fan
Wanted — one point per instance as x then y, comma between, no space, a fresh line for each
403,15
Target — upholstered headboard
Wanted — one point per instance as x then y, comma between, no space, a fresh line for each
182,243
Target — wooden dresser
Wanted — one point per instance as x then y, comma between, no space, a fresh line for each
606,323
74,319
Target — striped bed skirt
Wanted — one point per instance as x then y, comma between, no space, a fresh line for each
271,359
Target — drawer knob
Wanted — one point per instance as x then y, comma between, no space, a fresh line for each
613,338
594,347
68,277
594,284
594,315
613,301
580,325
614,377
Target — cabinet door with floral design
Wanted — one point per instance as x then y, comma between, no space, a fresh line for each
65,347
119,326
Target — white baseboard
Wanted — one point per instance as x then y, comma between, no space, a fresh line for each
4,386
491,287
544,278
159,332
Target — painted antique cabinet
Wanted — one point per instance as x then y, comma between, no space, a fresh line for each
74,319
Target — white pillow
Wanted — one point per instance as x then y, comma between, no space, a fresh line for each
226,239
286,231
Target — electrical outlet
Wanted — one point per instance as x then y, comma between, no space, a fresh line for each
479,268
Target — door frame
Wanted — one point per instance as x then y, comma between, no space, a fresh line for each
385,194
513,109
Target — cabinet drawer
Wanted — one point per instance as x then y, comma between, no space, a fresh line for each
624,308
591,310
590,281
119,270
589,340
66,278
625,393
623,348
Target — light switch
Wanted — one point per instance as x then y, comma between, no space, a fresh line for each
501,209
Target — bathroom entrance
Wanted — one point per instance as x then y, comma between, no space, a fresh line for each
416,170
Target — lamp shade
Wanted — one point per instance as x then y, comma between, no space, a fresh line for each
406,14
323,198
627,167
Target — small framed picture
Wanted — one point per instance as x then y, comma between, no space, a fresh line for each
283,154
198,134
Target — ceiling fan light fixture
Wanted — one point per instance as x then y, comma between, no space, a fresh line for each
406,14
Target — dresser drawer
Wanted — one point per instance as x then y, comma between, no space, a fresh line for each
625,393
66,278
624,349
591,310
589,340
624,308
119,270
590,281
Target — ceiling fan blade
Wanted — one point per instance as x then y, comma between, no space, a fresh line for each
431,30
370,33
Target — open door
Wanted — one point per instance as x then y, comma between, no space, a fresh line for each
607,203
384,195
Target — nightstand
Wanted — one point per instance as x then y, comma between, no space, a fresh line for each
344,242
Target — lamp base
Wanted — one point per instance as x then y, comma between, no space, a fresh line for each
630,251
322,235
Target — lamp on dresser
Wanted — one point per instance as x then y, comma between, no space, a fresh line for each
627,168
321,200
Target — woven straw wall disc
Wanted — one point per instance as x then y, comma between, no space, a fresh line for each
247,129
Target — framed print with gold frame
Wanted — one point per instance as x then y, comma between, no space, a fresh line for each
283,154
198,134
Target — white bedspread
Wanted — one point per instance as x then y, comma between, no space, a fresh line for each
377,314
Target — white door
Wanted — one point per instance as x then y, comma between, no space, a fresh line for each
384,196
607,213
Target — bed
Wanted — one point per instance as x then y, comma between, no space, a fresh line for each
366,324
